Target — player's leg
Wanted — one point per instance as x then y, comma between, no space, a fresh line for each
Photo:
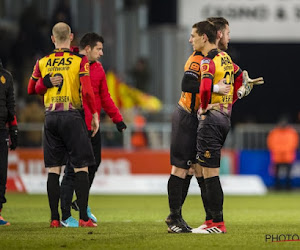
96,144
54,157
182,154
75,136
186,184
202,186
3,172
66,196
175,184
212,132
53,191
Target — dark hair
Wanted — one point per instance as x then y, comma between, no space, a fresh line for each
207,28
90,39
219,22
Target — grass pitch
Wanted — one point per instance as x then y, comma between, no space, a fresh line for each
137,222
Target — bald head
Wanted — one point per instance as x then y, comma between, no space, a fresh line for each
61,32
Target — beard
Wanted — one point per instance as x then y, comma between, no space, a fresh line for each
222,45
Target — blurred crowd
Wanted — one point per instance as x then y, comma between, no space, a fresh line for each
21,46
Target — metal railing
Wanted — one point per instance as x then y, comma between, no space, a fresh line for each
244,136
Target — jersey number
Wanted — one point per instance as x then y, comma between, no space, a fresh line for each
229,77
60,85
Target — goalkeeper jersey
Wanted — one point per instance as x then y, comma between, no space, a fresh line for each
190,101
71,66
214,67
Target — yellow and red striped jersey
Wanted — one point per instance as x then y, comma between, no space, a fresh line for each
216,66
70,66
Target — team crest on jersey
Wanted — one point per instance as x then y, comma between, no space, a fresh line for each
2,79
207,154
87,67
204,67
195,66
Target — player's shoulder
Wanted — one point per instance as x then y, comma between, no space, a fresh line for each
213,53
196,56
193,62
76,53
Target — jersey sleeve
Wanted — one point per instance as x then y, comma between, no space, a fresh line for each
87,91
190,81
36,74
207,76
84,67
106,101
238,80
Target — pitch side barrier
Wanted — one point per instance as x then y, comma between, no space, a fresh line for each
136,171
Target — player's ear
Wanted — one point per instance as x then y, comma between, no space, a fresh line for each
71,37
53,39
88,48
219,34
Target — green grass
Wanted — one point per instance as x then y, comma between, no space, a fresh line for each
137,222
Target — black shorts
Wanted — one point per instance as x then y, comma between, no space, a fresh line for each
211,135
183,138
66,137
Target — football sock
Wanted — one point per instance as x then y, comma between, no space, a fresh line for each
82,193
91,178
215,197
202,186
185,187
175,185
66,195
53,191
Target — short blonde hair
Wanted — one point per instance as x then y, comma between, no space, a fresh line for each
61,31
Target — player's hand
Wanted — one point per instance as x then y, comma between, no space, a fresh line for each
52,81
121,126
202,111
224,88
56,80
13,135
95,124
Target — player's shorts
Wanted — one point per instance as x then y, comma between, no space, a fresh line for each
66,137
212,132
183,138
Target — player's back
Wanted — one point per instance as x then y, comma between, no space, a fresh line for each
69,65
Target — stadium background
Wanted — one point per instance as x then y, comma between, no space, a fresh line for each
264,40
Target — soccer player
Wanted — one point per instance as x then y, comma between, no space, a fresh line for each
64,130
7,138
214,121
183,139
222,41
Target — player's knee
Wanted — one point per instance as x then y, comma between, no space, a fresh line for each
83,169
180,172
210,172
54,170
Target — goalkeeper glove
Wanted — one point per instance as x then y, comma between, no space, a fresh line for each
247,85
